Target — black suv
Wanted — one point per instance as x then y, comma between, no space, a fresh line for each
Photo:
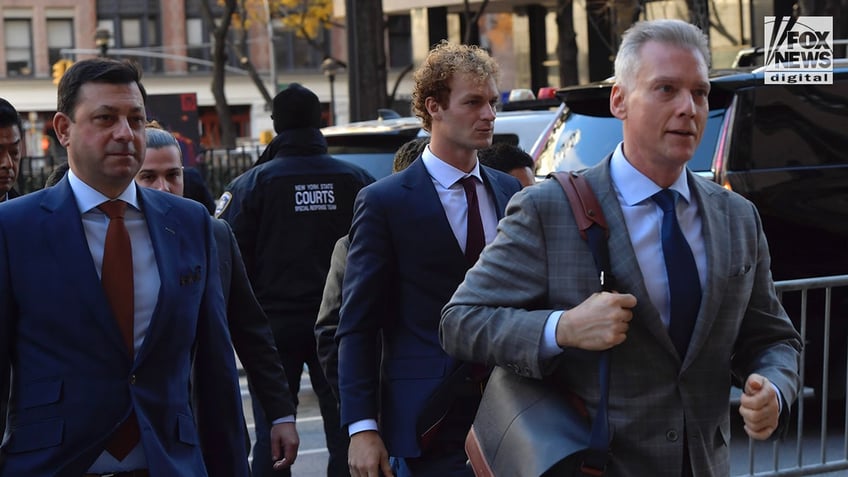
785,148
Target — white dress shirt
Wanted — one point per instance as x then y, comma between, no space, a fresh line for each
446,179
145,279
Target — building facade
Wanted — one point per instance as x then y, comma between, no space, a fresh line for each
172,43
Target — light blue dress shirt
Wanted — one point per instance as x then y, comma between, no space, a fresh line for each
643,218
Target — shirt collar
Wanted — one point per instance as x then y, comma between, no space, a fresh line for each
445,174
636,187
87,198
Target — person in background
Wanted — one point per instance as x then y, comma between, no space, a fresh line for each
116,309
510,159
58,172
287,214
194,187
413,237
12,149
331,301
162,170
694,308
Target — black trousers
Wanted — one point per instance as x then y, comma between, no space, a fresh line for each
296,346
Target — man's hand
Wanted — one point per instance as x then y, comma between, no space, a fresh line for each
284,444
597,324
367,455
759,407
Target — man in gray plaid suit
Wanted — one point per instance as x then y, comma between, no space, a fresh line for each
531,303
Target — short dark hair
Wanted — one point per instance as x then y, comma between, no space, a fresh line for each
9,116
59,171
504,157
95,70
409,152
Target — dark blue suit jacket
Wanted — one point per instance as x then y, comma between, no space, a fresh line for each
403,266
73,381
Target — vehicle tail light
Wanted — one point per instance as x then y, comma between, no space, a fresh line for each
546,92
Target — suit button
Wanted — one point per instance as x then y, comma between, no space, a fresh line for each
671,435
132,379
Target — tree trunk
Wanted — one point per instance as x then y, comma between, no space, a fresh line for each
567,43
471,23
244,51
699,14
219,58
366,59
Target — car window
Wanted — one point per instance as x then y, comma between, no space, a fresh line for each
578,141
796,126
372,152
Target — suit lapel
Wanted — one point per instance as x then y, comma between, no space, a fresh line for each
716,231
625,266
73,258
428,205
163,235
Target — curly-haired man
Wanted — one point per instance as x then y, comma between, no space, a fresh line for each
411,244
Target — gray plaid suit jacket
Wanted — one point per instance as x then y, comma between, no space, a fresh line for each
538,264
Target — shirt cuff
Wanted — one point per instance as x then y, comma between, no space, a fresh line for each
779,398
363,425
289,418
549,347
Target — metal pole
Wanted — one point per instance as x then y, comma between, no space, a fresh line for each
353,73
332,98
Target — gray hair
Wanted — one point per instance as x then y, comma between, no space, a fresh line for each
671,32
159,138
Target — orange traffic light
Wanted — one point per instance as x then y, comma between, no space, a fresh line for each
59,68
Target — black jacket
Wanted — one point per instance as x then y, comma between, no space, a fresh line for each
287,215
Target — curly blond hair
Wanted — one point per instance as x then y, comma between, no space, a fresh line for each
432,79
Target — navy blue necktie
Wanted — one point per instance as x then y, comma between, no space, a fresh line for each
684,286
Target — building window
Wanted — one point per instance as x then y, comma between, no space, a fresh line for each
18,42
297,54
60,35
134,33
197,43
400,40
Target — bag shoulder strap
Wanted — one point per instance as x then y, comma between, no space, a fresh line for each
590,220
593,227
587,210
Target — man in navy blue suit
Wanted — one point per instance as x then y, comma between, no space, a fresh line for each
411,244
100,379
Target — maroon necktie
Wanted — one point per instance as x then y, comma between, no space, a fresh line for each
476,237
117,278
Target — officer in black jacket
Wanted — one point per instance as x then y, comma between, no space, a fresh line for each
287,214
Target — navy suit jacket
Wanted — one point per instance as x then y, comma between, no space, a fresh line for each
72,380
403,266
